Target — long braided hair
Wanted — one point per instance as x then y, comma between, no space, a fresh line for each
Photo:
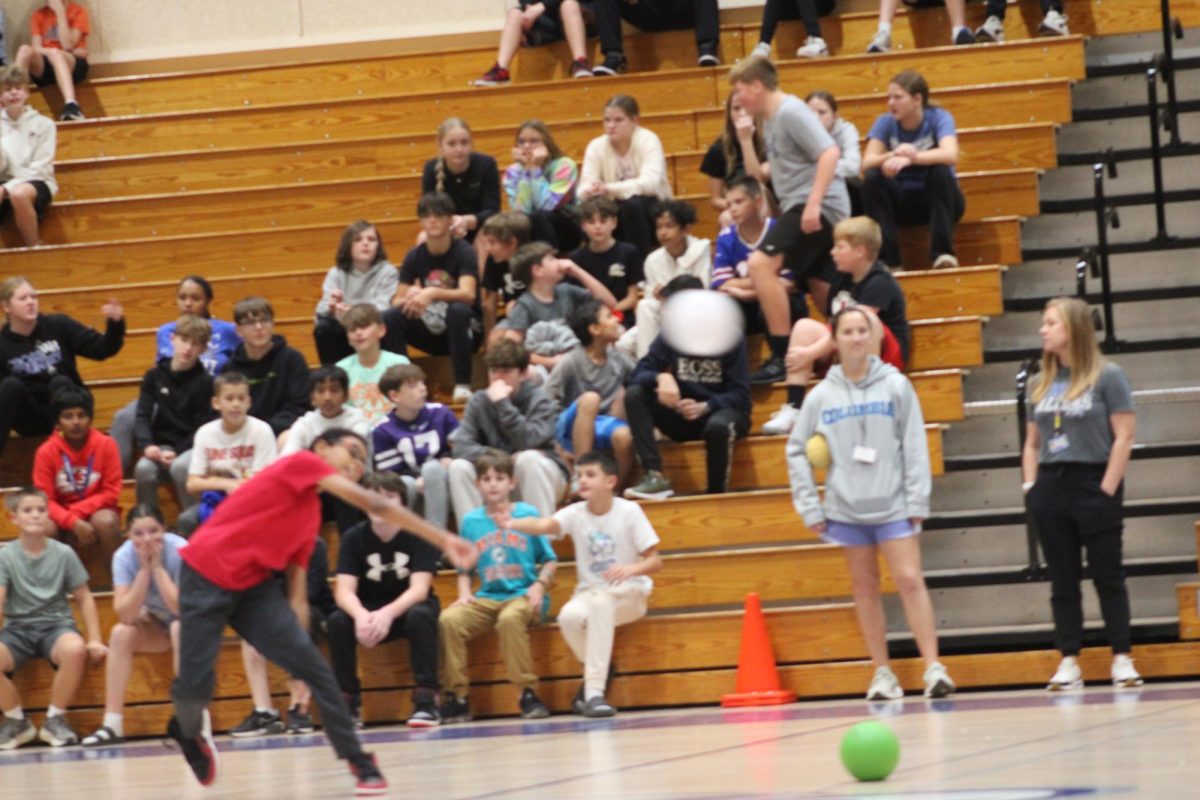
448,124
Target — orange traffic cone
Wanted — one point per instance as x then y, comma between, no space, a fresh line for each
757,678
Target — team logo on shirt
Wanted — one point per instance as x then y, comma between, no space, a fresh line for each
44,359
616,270
602,551
399,566
699,370
1068,408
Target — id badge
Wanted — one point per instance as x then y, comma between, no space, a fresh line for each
1058,443
865,455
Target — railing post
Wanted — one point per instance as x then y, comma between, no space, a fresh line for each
1156,158
1104,217
1033,571
1171,28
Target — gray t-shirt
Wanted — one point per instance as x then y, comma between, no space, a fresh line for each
37,586
126,565
795,140
577,373
1084,434
529,309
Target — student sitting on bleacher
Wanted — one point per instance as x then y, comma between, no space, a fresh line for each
79,469
361,274
365,330
627,164
57,51
501,236
960,34
36,575
687,398
740,150
534,23
656,15
175,400
845,134
864,281
992,30
277,374
909,176
328,391
617,265
542,184
37,356
27,144
146,601
470,179
809,11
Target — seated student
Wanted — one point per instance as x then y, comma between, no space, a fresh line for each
960,34
175,400
656,15
146,601
863,281
437,306
740,151
27,145
328,391
361,274
589,384
365,330
36,575
57,51
909,176
514,415
276,373
471,180
516,571
845,135
687,398
501,236
227,451
79,469
542,184
617,265
627,165
809,11
538,318
1054,23
384,591
534,23
679,253
616,551
413,441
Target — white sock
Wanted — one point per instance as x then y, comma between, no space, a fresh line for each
591,694
1070,659
115,723
270,711
55,711
16,712
885,27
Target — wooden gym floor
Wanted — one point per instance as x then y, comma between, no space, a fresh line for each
997,745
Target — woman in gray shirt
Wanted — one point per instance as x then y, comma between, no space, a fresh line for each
1079,437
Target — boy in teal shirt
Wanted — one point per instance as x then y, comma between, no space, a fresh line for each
365,331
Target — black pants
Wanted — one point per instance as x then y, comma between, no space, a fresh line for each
806,10
656,15
22,411
996,8
419,625
757,323
332,344
1073,514
262,616
635,223
460,339
719,430
559,227
940,203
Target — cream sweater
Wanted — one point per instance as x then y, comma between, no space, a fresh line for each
601,163
27,149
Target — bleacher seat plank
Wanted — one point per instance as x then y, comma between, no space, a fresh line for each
946,343
1188,596
940,393
995,240
947,293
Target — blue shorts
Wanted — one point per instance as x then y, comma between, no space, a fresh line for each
606,426
849,534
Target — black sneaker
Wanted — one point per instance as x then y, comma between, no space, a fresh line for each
425,710
577,703
964,37
369,780
708,57
299,721
455,709
598,708
772,370
614,64
532,706
201,752
71,112
258,723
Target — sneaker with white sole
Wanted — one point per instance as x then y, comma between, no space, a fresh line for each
200,752
992,30
881,42
761,50
782,421
581,68
259,723
654,486
1067,677
963,37
368,780
57,732
813,47
1053,24
1124,675
885,685
16,732
937,681
945,261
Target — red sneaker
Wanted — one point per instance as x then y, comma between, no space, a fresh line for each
496,76
369,780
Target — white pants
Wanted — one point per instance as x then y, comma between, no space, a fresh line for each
540,482
588,622
649,320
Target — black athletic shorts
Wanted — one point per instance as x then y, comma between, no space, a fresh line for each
78,75
40,203
805,254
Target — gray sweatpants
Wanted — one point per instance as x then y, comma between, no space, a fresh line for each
121,431
436,494
149,474
540,482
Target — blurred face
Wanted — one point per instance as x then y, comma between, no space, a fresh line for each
22,307
853,337
668,230
366,336
382,528
599,229
348,456
436,226
593,480
365,247
456,149
1056,336
848,257
901,104
191,299
823,111
14,97
186,351
145,531
749,96
74,424
32,515
510,375
232,403
411,396
495,486
618,126
742,207
328,397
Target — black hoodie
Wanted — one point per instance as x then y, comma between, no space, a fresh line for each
51,348
172,406
278,383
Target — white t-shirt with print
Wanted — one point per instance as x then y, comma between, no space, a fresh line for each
618,537
238,455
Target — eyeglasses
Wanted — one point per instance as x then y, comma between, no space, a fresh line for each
258,322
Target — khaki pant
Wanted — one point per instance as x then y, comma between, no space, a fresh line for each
588,622
512,620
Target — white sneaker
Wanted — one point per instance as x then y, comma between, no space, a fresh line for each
462,393
882,43
945,261
992,30
885,685
1053,24
1067,677
1124,676
937,681
761,50
782,421
813,47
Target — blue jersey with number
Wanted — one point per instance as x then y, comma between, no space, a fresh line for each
402,446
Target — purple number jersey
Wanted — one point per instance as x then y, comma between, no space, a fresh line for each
403,447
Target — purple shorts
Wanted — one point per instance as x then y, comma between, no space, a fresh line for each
850,534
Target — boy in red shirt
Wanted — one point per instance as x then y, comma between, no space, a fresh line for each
229,578
57,52
79,469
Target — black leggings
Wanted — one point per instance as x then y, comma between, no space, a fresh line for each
21,410
460,339
807,10
558,227
635,223
332,344
419,625
940,203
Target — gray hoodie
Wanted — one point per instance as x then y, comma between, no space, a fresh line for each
375,286
881,412
523,421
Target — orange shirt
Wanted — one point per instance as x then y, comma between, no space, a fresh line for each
45,24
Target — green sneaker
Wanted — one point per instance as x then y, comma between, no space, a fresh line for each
654,486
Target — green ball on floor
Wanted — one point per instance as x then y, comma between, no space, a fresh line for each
870,751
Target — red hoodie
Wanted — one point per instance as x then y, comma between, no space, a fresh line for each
92,482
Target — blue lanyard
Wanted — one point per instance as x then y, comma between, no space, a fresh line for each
80,490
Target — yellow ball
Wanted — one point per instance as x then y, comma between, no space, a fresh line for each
817,450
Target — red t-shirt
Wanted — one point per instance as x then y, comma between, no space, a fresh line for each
271,522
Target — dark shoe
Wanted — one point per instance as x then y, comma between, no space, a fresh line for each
369,780
598,708
455,709
614,64
708,57
577,701
964,37
532,706
299,721
354,704
103,737
496,76
425,710
71,112
258,723
772,370
581,68
201,752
